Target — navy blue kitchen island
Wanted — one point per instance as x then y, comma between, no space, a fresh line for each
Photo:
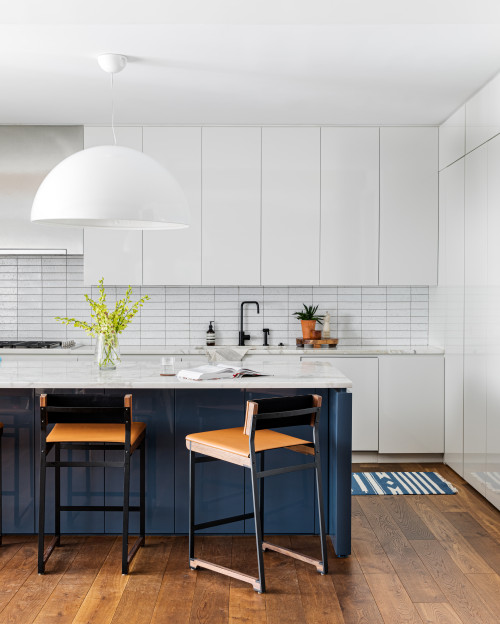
171,410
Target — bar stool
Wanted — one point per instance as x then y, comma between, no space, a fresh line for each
90,423
241,446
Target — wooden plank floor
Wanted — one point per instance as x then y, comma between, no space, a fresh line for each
416,559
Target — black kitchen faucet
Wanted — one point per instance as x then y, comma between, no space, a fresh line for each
242,335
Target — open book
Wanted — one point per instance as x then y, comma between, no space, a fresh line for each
216,371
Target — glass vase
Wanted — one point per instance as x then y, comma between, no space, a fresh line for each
107,351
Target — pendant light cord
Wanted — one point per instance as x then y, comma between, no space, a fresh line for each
113,108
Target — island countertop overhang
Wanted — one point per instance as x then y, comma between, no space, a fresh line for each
53,373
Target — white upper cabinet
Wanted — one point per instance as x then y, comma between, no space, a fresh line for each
290,206
115,255
173,257
483,115
349,206
27,155
408,206
452,138
231,206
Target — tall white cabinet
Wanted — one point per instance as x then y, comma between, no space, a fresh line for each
174,256
115,255
475,334
349,206
231,220
408,206
290,206
451,282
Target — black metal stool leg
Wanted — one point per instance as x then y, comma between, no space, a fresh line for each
261,494
321,512
192,466
258,526
41,510
126,503
142,502
57,498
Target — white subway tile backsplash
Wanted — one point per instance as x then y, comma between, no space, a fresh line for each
35,289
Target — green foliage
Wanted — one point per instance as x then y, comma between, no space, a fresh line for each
104,321
309,314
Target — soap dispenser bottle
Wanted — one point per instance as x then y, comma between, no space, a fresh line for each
211,335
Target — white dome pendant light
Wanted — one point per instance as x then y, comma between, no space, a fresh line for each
111,186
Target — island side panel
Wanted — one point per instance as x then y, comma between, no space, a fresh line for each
155,408
219,485
79,486
289,499
18,482
340,451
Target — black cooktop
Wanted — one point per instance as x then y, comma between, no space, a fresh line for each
30,344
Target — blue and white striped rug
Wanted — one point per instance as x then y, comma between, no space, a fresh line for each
400,483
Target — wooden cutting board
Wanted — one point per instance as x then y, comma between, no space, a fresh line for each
317,344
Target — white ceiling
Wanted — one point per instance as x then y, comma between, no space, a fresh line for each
320,67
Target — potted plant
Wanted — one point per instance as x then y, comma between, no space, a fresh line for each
308,318
105,324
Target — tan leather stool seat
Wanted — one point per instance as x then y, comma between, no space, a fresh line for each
235,441
81,432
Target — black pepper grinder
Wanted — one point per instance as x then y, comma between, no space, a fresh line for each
211,335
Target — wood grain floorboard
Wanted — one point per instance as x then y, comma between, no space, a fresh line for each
488,587
283,601
392,599
105,593
63,603
369,552
466,558
437,613
317,592
25,605
16,571
211,596
408,521
413,574
141,592
356,600
454,584
245,605
173,605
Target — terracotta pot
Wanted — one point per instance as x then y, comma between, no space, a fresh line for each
316,334
307,328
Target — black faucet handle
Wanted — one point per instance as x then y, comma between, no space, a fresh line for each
266,335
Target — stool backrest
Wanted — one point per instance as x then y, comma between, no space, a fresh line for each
85,409
282,412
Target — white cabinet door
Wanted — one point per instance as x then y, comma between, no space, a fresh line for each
452,138
27,155
115,255
476,309
451,283
411,404
349,206
363,372
173,257
408,206
290,206
231,165
493,326
483,115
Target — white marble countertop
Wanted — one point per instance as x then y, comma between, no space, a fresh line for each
38,372
251,350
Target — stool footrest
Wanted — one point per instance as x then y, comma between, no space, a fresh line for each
200,563
97,508
213,523
84,464
319,565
